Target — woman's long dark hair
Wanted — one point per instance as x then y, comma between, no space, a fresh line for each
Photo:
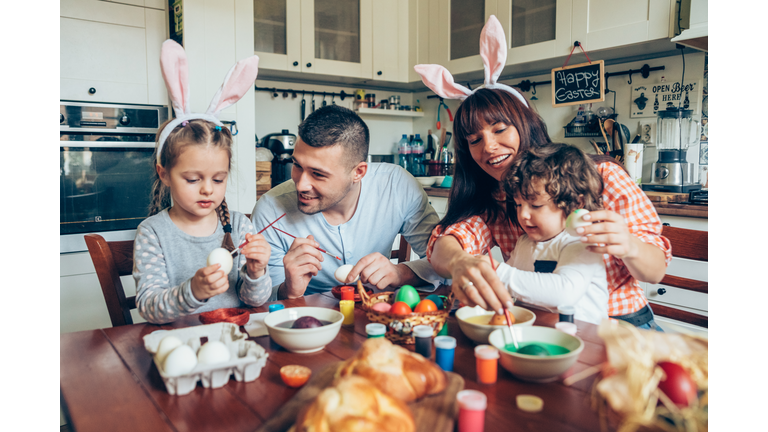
473,189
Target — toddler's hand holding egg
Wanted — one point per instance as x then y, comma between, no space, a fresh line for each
221,256
576,220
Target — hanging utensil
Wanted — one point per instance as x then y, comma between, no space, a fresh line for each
608,126
602,131
303,108
324,102
313,101
596,147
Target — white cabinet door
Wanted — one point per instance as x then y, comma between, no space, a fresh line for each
390,40
277,34
460,24
536,29
600,24
105,49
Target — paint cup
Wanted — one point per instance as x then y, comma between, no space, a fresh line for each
633,161
472,405
375,330
445,346
486,363
423,339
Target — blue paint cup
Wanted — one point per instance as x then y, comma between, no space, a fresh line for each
445,346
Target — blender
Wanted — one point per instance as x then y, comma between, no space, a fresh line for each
676,131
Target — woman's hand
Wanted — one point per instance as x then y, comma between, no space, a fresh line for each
208,282
256,253
609,234
475,283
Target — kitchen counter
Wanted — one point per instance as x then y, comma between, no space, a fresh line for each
662,207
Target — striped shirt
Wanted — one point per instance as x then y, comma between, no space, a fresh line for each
620,195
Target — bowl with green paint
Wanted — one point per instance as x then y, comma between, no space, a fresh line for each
543,353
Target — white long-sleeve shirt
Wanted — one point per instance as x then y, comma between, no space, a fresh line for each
578,280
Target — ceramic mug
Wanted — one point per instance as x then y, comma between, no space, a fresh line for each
633,161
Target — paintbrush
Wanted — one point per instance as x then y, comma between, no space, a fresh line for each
262,230
321,250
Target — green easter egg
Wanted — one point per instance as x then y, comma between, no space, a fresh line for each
437,300
408,295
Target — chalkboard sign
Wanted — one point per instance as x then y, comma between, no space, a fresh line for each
578,84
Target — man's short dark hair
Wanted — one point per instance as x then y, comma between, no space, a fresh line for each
333,124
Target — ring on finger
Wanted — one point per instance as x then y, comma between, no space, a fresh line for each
467,285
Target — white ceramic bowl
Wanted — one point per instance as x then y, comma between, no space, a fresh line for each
437,180
532,368
479,332
425,181
303,340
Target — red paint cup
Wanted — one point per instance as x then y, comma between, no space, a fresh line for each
472,405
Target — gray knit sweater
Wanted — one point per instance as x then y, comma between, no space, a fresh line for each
165,259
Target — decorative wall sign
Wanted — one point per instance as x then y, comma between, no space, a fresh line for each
578,84
647,99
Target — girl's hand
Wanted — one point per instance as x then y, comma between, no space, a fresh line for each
256,253
208,282
485,289
608,234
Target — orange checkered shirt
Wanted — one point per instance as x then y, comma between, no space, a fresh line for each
621,195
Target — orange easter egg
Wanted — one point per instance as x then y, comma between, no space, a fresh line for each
426,305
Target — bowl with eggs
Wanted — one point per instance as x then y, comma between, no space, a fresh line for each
542,354
303,329
477,323
208,353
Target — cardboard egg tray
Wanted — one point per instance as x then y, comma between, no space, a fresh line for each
246,357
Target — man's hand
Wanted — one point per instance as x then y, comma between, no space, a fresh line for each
376,269
302,262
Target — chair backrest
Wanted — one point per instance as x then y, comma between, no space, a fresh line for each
693,245
112,260
403,253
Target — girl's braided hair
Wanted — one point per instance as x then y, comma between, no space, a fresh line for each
194,132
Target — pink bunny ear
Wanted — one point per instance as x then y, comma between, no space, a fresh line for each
238,80
175,70
493,49
441,82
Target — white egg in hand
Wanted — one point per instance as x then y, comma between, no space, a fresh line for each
165,347
180,361
576,220
342,272
221,256
213,352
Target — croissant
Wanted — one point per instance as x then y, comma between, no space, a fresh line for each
400,373
352,404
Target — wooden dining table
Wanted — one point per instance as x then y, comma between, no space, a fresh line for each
108,381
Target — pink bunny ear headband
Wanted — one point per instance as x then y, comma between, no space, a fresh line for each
493,51
173,63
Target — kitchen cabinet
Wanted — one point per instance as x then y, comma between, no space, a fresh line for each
459,25
536,29
329,37
600,24
109,51
390,40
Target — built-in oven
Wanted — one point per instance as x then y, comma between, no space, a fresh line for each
106,169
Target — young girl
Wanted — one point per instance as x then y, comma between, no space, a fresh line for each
548,266
188,214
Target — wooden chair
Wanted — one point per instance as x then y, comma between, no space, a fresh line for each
112,260
693,245
403,253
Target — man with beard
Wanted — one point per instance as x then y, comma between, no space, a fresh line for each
337,201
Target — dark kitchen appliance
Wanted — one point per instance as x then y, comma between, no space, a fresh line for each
106,168
676,131
281,145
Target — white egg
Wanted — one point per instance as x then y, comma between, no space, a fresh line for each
221,256
165,347
180,361
576,220
213,352
342,272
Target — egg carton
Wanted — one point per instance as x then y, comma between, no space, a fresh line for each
247,358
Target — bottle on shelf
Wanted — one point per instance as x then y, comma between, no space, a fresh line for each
410,154
403,152
430,151
418,156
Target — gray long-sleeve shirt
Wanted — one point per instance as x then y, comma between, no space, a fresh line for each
165,259
391,202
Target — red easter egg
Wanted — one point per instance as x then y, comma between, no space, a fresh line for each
400,308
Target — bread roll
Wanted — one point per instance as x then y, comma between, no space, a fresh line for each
353,404
400,373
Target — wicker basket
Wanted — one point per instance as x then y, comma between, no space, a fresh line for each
400,327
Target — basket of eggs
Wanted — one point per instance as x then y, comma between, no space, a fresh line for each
405,309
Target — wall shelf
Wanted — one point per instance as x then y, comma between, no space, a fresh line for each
389,112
